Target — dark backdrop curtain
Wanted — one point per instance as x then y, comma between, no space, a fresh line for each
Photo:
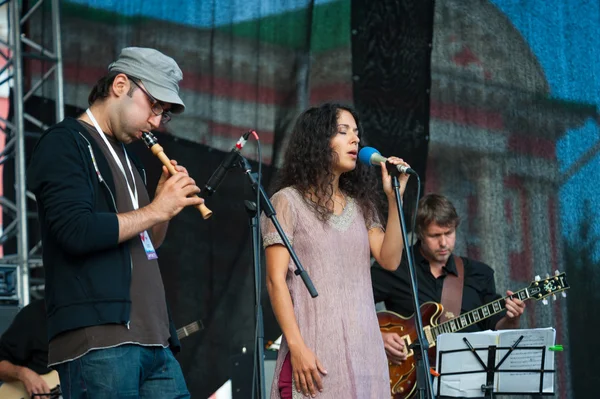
391,49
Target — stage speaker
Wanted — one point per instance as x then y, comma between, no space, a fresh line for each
7,314
241,373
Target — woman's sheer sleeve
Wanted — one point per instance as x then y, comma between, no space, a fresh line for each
286,215
373,221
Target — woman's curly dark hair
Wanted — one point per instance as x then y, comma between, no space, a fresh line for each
308,163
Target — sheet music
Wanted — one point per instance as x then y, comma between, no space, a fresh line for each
462,385
526,359
469,385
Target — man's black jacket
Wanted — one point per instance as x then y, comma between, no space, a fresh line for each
88,273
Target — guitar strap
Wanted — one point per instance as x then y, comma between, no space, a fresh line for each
452,291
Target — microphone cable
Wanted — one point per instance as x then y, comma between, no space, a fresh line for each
258,291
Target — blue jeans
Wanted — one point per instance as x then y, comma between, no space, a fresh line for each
126,371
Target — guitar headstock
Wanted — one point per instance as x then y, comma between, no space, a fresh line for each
540,289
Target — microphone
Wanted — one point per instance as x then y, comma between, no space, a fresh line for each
370,156
227,163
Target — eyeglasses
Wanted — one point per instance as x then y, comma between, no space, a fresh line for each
157,108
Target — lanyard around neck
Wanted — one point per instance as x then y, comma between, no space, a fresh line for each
132,193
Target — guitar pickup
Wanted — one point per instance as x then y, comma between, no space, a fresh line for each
407,342
429,336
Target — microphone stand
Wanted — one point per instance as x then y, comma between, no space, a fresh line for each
421,345
267,207
259,376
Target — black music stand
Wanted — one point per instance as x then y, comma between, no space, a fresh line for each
490,368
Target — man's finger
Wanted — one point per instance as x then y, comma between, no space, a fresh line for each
394,341
180,168
176,178
395,357
519,303
396,360
513,309
181,180
396,338
394,345
393,351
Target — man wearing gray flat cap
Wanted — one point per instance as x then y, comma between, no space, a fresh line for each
109,329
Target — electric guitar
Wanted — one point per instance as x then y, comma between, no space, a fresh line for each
403,376
16,389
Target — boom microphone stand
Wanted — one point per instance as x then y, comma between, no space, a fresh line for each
421,346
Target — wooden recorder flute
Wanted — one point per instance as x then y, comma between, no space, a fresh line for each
157,150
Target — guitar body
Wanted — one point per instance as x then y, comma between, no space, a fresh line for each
403,377
16,389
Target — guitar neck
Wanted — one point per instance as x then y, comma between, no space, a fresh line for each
476,315
188,330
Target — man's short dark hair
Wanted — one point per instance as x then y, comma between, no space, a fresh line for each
101,90
435,208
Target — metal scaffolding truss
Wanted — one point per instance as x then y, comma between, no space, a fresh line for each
20,51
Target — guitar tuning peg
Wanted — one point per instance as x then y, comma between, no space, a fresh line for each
554,297
556,272
547,276
537,278
545,301
564,294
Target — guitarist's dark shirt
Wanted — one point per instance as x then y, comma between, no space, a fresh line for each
25,342
393,288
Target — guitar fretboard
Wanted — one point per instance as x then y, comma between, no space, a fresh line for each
188,330
476,315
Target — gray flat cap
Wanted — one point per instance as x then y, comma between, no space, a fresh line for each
159,73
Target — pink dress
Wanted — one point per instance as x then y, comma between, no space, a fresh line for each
340,325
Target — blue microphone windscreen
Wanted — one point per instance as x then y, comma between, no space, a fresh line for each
365,154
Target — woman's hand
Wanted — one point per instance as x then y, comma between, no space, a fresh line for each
307,371
387,179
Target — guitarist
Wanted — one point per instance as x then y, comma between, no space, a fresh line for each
24,349
435,265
